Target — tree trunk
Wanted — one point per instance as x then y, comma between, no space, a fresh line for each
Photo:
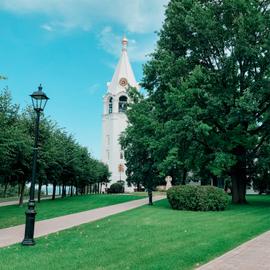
59,190
238,188
39,190
239,177
63,191
47,193
184,177
71,191
5,189
19,189
21,192
150,196
214,181
54,190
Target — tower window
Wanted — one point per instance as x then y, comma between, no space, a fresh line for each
110,105
121,155
122,104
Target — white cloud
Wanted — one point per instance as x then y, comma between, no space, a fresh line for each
111,42
47,27
139,51
136,16
93,88
64,26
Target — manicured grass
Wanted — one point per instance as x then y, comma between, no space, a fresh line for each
144,238
14,215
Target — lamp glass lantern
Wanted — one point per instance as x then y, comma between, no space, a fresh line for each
39,99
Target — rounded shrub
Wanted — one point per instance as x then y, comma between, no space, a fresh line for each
116,188
197,198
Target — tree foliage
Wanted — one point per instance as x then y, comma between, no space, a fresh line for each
61,160
207,109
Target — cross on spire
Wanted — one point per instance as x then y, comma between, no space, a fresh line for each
124,43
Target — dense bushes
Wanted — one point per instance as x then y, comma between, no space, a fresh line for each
116,188
197,198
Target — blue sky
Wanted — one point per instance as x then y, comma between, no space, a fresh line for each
72,48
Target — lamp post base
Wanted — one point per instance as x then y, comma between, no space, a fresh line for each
28,242
30,214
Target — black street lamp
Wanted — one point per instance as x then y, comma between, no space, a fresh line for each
39,100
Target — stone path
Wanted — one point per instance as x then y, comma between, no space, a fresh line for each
10,203
15,234
252,255
7,203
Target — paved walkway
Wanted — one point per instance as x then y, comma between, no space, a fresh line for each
252,255
15,234
24,201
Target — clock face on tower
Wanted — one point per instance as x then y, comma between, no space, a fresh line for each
123,82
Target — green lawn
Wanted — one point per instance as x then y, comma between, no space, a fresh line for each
14,215
144,238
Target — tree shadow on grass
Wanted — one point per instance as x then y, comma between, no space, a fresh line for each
258,200
162,204
253,202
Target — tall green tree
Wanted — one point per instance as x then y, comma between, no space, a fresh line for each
138,142
208,84
9,137
22,150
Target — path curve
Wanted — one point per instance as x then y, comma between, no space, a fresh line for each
12,235
252,255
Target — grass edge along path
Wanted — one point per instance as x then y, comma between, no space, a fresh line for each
14,215
15,234
145,238
252,254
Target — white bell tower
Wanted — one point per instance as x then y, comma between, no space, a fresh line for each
114,120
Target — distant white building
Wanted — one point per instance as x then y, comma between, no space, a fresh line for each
114,120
